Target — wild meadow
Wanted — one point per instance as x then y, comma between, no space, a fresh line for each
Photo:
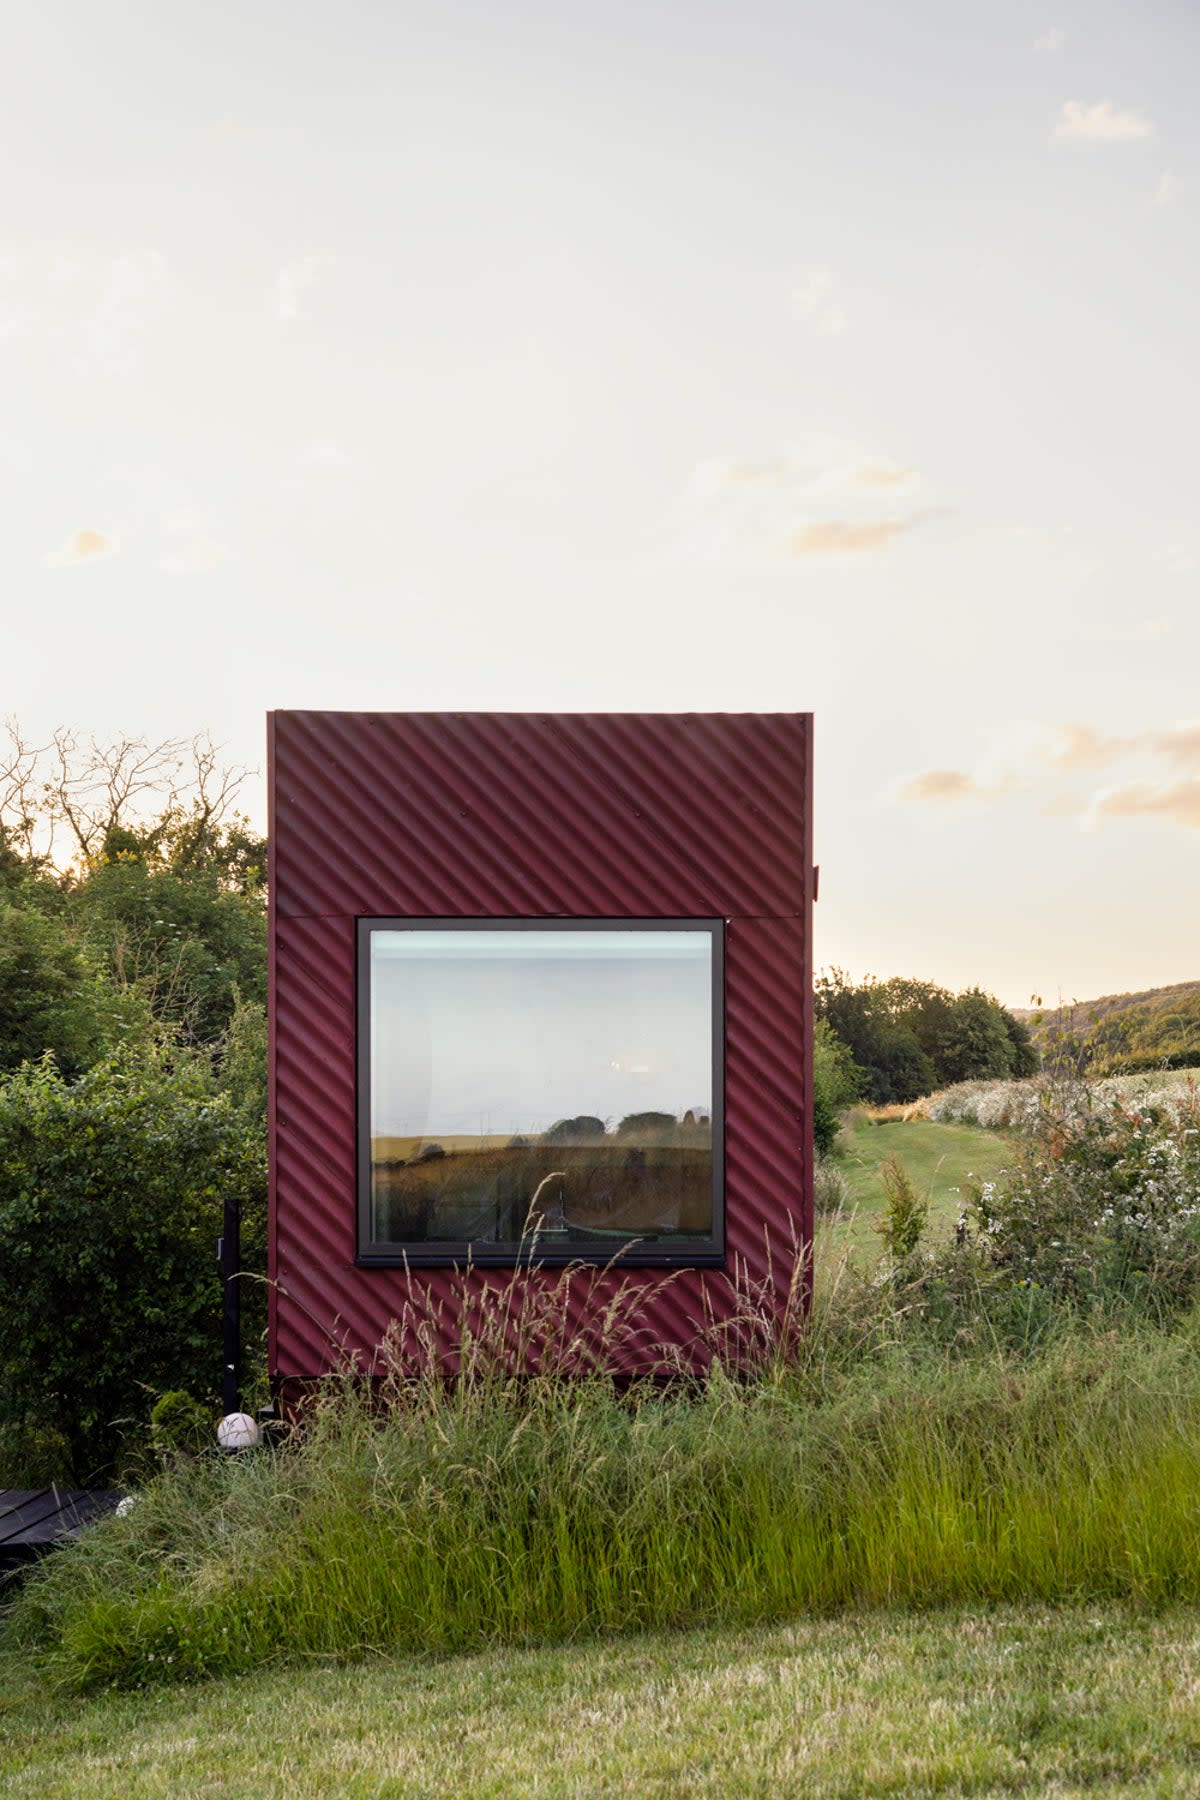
985,1437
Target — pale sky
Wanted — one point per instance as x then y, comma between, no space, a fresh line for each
710,356
596,1024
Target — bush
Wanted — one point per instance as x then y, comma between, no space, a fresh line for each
831,1190
1105,1200
111,1191
836,1084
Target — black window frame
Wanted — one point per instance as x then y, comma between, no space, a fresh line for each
710,1253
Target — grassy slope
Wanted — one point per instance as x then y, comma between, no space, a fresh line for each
1015,1701
939,1158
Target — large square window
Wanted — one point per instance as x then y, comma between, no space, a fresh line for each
540,1089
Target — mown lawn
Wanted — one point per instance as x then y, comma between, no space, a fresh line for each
1025,1701
939,1160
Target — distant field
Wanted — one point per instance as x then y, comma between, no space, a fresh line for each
488,1193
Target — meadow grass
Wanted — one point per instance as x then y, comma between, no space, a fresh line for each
940,1160
869,1470
986,1702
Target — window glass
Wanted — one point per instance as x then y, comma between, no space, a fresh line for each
541,1089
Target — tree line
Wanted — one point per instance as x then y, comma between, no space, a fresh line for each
892,1041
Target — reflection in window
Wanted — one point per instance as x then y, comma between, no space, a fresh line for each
540,1089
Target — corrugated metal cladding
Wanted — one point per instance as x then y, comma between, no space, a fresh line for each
628,815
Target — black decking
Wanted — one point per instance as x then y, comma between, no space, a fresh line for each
33,1520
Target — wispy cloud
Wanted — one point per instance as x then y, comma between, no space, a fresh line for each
815,300
821,500
1160,776
1102,123
845,537
885,475
1076,746
1180,560
1133,631
96,307
291,282
196,557
940,786
1178,801
1054,39
1181,745
84,546
192,548
1165,192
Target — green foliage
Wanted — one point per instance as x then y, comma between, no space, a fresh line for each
192,946
836,1084
1104,1203
110,1204
50,998
1124,1034
975,1043
180,1425
909,1037
905,1211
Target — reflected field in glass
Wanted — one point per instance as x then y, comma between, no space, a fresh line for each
544,1081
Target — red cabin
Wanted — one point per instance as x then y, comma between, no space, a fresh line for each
540,994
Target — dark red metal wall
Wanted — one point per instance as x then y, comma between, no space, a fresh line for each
596,815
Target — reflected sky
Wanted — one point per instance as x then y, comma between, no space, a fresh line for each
500,1032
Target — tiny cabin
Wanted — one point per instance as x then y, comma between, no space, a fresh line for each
540,1014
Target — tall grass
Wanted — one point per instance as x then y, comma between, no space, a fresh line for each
867,1466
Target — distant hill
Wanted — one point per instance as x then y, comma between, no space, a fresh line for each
1157,1028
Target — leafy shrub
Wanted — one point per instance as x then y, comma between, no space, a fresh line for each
110,1204
905,1211
1105,1200
836,1084
831,1190
180,1425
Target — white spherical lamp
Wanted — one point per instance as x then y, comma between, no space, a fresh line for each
238,1431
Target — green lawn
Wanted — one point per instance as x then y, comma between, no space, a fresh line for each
939,1158
1016,1701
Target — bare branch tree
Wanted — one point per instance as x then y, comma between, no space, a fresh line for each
19,788
82,790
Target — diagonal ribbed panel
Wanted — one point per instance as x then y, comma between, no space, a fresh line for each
534,815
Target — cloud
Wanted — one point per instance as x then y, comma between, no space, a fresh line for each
885,475
1180,560
822,498
1053,40
94,306
815,301
1137,631
1164,193
1160,777
84,546
843,537
194,558
193,549
1178,801
290,283
1077,746
1102,123
132,293
940,786
1181,745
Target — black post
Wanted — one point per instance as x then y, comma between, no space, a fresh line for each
229,1259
